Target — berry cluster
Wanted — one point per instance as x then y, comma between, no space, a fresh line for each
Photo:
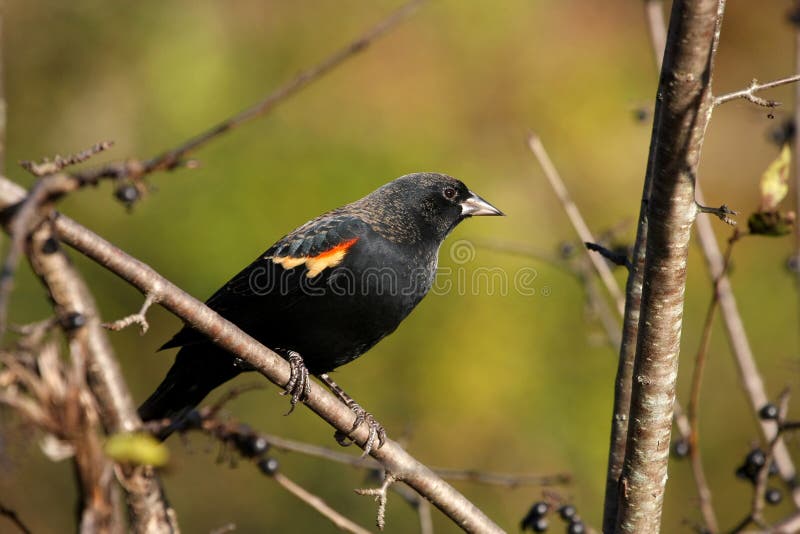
239,436
536,518
755,460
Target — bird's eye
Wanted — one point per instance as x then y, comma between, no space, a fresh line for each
449,193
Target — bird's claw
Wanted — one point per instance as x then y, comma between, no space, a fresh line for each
299,384
376,430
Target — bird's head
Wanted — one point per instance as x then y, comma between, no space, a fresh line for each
425,206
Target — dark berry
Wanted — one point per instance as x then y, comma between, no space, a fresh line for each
567,512
50,246
741,472
768,411
539,509
259,445
534,515
576,527
539,525
681,448
773,496
73,321
268,466
193,419
252,444
127,194
756,459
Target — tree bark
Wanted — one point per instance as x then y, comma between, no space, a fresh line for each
683,108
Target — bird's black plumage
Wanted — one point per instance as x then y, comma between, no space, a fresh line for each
329,290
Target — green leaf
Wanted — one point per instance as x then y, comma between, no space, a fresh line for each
137,448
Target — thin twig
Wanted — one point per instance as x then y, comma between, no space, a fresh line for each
137,318
750,92
318,504
59,163
550,172
703,490
381,495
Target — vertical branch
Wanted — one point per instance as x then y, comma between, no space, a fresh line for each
683,109
633,301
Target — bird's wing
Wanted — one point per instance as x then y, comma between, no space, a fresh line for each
307,252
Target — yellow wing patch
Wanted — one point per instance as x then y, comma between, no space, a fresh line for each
316,264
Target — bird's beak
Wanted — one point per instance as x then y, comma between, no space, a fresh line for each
475,205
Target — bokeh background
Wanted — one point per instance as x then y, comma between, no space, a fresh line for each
514,383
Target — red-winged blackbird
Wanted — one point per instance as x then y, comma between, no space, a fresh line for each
328,291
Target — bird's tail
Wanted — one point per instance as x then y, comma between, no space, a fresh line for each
197,370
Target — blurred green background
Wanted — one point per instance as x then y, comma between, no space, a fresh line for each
514,383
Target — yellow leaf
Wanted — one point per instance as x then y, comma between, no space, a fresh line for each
137,448
774,181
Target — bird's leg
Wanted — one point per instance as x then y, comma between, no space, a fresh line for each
298,385
376,430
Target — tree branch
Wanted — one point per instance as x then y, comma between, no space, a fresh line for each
682,113
749,93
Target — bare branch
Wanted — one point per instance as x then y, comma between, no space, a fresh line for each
59,163
749,94
723,213
502,479
682,114
381,497
342,522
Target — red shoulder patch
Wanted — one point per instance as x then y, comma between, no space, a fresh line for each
319,262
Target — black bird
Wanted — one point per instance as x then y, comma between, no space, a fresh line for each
327,292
